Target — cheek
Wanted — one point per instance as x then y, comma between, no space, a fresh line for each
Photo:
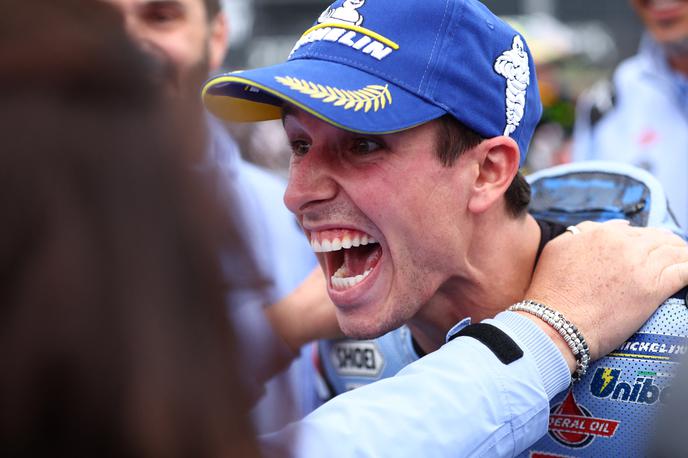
431,205
428,232
183,52
183,46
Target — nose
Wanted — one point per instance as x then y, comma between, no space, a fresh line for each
311,183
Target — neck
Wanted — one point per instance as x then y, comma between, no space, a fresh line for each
679,64
495,273
677,55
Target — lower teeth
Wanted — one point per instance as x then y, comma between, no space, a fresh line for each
347,282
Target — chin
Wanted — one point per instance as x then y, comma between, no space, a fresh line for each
367,326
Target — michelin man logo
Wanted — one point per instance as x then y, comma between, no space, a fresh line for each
345,14
513,65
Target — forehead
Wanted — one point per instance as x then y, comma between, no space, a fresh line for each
297,121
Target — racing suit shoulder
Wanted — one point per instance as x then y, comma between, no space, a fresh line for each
345,364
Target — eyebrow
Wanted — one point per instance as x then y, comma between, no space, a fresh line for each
163,4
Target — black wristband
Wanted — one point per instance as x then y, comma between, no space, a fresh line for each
499,342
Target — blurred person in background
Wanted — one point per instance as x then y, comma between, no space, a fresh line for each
189,39
114,339
642,117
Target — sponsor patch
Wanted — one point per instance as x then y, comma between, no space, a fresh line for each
357,358
343,25
607,384
574,426
654,347
345,14
351,36
513,66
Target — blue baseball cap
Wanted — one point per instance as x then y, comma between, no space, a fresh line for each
382,66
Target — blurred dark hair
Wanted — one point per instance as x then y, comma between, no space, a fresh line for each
212,8
114,339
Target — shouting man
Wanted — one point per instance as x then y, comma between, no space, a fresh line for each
407,135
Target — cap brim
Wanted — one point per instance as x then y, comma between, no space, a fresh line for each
336,93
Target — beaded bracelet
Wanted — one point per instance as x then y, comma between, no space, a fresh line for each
568,331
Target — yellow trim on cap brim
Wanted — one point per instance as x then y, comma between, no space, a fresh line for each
236,109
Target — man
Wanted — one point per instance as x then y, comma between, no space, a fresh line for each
642,118
407,130
189,39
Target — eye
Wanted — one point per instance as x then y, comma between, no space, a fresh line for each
162,12
300,147
365,146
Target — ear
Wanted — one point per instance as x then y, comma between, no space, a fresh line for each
497,160
217,41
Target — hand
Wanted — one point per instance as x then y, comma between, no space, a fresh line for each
607,280
305,315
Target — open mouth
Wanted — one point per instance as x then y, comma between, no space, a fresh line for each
664,9
350,255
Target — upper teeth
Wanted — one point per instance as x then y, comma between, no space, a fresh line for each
664,4
337,244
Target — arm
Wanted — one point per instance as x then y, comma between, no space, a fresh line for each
461,400
457,401
305,315
275,334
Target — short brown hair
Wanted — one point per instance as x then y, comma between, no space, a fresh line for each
454,138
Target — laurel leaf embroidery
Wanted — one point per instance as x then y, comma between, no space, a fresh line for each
372,96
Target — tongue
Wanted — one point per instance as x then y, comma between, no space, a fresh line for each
358,260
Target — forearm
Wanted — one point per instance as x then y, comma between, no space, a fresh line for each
305,315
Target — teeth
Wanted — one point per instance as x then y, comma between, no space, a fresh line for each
339,282
365,240
345,242
664,4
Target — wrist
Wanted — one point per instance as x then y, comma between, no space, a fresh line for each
539,348
556,338
568,332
